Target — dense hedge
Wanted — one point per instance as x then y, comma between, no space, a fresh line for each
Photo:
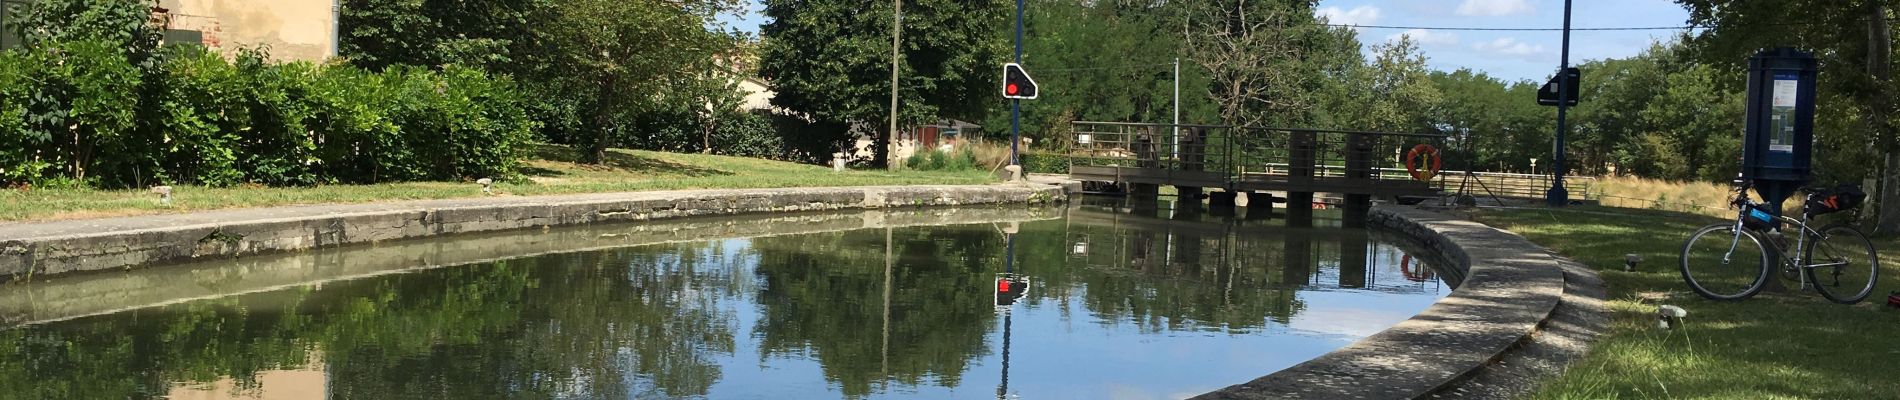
85,112
1045,163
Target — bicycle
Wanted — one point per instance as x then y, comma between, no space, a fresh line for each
1745,263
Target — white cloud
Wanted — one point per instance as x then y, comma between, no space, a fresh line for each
1426,36
1507,46
1494,8
1361,15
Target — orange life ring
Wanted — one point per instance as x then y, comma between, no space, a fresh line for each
1431,155
1420,274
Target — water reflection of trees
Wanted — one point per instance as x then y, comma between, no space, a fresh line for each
565,326
874,308
822,298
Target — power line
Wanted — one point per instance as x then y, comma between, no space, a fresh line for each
1109,67
1616,28
1465,28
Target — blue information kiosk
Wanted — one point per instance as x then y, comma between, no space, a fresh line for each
1777,141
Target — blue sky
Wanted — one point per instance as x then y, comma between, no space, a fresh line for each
1508,55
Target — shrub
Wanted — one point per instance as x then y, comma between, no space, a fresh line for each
1045,163
748,134
82,112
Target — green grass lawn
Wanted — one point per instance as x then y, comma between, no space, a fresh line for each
550,170
1788,345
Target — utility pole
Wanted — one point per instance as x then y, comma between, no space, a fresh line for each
897,30
1558,196
1016,105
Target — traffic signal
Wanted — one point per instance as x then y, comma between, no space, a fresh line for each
1016,82
1570,78
1009,290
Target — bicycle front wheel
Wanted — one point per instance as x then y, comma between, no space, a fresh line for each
1842,265
1722,263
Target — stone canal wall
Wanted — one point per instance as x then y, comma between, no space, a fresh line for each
1518,303
47,249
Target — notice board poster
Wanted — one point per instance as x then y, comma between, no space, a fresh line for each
1781,130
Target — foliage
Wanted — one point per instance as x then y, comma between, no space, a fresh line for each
1266,60
1102,61
1393,92
1045,163
1695,122
963,159
124,24
604,73
82,111
832,60
482,34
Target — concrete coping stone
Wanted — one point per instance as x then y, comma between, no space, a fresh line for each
33,250
1511,287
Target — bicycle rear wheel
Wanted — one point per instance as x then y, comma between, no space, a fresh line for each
1721,263
1848,267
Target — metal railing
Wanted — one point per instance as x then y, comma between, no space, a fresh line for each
1240,154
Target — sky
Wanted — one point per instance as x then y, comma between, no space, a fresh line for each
1508,55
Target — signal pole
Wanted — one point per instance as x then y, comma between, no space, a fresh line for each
1558,196
1016,105
897,30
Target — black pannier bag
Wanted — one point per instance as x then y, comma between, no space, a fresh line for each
1843,197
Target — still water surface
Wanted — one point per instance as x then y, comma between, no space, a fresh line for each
1121,305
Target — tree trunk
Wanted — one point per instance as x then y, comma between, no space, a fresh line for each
881,149
1879,67
602,119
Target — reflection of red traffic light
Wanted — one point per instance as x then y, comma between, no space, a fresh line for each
1010,290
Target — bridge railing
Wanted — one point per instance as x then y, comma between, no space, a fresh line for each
1233,155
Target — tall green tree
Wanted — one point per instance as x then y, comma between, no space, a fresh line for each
618,56
1259,57
831,59
383,33
1105,61
1392,92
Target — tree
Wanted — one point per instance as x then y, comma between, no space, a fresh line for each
383,33
1257,55
1855,43
831,59
1105,61
1697,121
617,55
1393,92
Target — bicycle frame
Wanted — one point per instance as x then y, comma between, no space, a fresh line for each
1800,245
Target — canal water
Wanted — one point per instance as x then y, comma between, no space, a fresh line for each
1115,303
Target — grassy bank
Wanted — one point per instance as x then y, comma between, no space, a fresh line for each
1793,345
550,171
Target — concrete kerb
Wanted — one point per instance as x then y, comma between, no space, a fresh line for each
1512,287
45,249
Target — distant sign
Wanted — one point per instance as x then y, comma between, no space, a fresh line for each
1571,78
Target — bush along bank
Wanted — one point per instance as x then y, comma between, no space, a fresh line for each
86,113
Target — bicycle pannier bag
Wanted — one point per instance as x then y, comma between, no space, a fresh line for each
1844,197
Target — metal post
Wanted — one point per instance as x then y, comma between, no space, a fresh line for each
897,30
1016,105
336,27
1558,196
1177,108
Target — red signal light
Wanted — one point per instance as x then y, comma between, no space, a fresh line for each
1002,285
